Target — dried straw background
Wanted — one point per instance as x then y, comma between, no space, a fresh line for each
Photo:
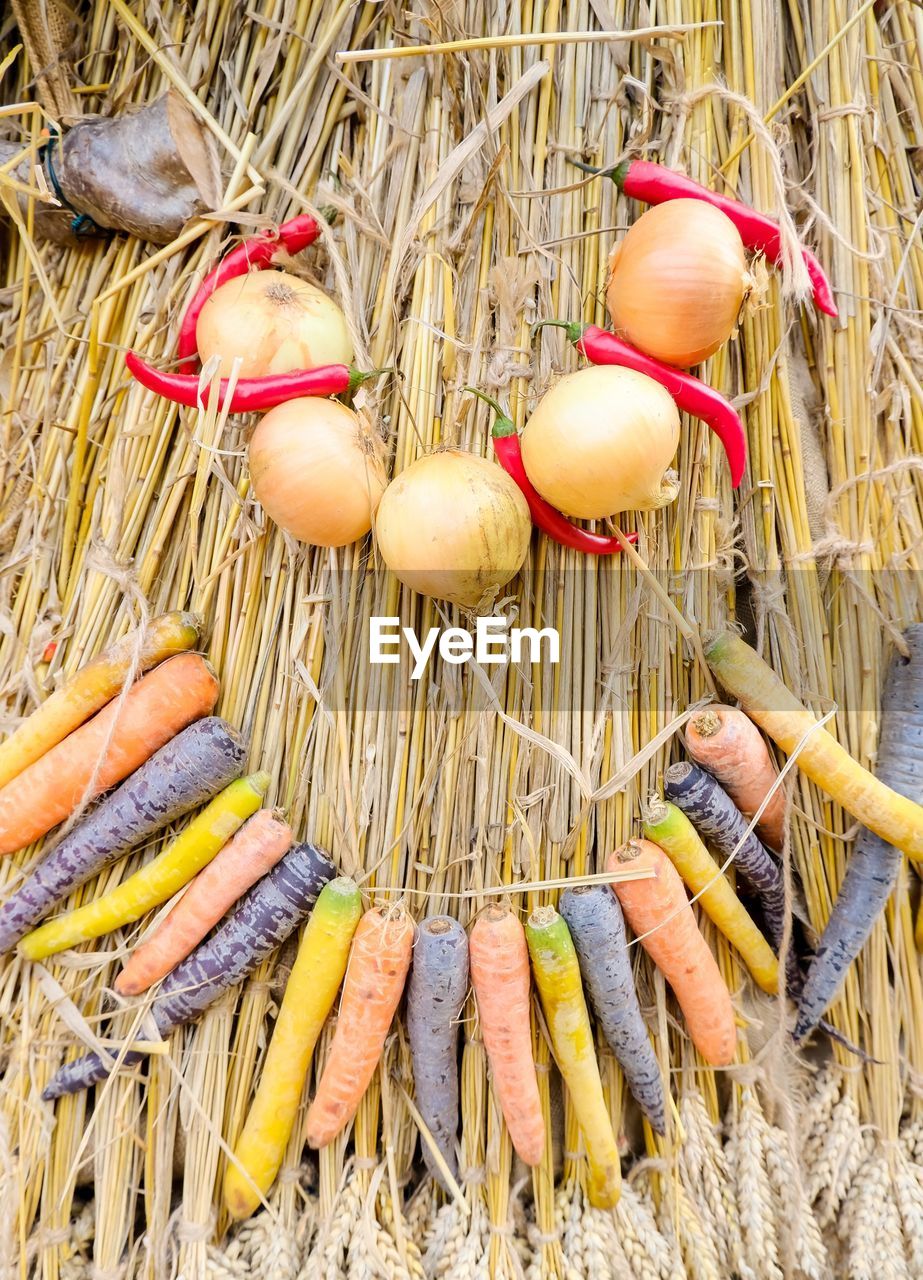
450,240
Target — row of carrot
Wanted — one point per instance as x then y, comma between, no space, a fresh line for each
584,945
158,735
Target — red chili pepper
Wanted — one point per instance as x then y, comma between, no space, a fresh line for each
544,515
258,252
251,393
691,394
655,184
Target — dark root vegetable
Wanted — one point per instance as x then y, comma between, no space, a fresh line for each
157,880
188,771
270,912
597,927
874,865
718,820
435,996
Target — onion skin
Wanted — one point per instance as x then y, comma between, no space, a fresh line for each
273,322
600,442
454,526
315,472
677,282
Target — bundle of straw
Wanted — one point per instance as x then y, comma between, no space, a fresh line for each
460,221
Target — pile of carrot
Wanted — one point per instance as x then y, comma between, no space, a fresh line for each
731,798
154,735
155,742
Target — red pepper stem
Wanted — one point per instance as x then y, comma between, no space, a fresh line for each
618,174
504,424
358,376
575,329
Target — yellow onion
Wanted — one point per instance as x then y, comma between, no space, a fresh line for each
454,526
677,281
600,441
274,322
317,473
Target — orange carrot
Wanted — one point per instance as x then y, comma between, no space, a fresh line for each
659,912
90,688
499,959
728,744
106,749
375,977
248,855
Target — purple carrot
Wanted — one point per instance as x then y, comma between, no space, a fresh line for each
191,769
435,995
596,924
269,913
716,817
874,865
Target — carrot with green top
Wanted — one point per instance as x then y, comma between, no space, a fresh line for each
106,749
557,976
499,960
659,912
669,828
311,990
92,687
375,977
249,854
192,849
778,712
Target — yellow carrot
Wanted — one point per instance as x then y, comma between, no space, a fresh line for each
557,976
92,687
779,713
669,828
309,995
192,849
